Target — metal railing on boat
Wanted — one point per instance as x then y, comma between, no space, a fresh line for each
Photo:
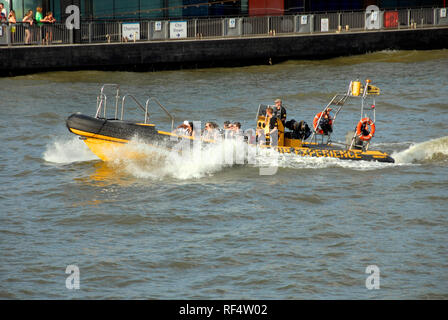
145,110
101,101
161,107
101,104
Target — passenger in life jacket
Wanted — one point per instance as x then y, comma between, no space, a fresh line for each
326,122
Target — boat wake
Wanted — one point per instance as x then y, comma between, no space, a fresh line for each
157,162
153,161
65,151
435,150
295,162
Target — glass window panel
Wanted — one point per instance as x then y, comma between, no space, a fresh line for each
103,9
17,5
175,10
148,9
194,9
31,4
125,10
244,6
56,9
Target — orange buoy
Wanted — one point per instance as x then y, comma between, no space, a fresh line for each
361,129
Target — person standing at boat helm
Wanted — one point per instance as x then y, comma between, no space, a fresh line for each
280,111
271,125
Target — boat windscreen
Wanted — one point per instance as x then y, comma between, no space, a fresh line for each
262,110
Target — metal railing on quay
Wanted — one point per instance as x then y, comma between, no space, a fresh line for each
423,16
255,26
325,22
247,26
209,28
355,20
25,34
282,24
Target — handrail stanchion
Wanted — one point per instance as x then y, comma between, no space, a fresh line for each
146,111
101,99
122,106
104,97
164,109
133,98
105,107
98,102
116,101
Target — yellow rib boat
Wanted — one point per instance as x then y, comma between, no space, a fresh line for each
107,137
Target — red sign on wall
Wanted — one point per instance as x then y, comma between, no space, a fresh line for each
391,19
266,7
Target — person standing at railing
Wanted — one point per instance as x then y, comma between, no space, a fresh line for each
12,23
27,23
2,13
49,20
38,18
3,19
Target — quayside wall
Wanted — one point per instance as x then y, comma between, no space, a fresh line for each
236,51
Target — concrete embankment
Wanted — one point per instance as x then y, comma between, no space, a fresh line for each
175,54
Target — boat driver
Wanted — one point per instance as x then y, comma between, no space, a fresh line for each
280,111
271,120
